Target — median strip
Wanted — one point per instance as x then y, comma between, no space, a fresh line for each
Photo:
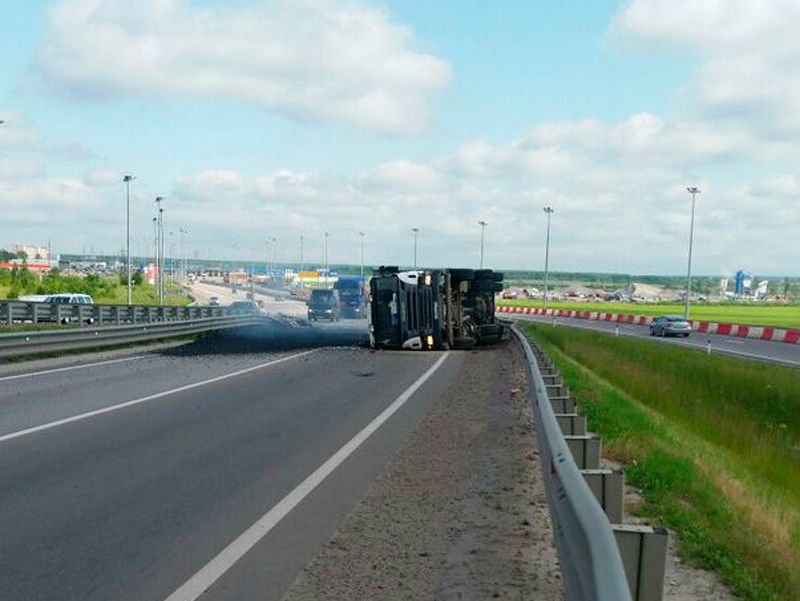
152,397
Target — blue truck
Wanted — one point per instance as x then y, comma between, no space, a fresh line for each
352,299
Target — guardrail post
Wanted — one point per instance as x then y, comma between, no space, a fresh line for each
35,313
9,313
608,487
117,318
573,424
586,450
644,555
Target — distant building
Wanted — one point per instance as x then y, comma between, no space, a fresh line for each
38,255
744,282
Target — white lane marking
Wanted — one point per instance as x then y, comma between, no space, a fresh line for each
633,333
60,369
151,397
214,569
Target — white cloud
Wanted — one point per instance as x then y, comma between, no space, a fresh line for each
306,59
749,53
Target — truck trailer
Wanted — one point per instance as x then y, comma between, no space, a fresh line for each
434,309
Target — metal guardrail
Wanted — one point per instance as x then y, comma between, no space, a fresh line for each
45,341
12,312
106,325
591,564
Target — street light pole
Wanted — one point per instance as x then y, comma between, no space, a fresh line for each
302,258
483,225
416,234
327,269
694,191
155,264
127,179
160,254
361,234
549,211
274,251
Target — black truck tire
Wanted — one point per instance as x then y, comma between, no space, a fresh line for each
497,276
485,285
498,287
464,343
484,274
492,339
460,275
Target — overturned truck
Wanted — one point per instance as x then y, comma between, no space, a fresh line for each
433,309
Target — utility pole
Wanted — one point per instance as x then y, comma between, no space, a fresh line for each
274,252
483,225
416,234
361,234
694,191
127,179
549,211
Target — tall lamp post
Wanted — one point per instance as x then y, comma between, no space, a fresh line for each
694,191
416,235
549,211
302,258
155,240
327,269
483,225
160,250
127,179
361,235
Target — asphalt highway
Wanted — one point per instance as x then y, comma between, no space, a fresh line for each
211,471
744,348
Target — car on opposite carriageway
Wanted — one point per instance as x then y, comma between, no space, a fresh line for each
670,325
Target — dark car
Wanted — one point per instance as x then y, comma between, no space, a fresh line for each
670,325
324,304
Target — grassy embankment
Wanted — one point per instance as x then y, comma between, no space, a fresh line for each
713,443
105,290
787,316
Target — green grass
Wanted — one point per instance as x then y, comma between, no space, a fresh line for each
713,443
143,294
787,316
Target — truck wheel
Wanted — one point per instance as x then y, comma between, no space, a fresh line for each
484,274
497,276
493,339
459,275
484,286
463,343
498,287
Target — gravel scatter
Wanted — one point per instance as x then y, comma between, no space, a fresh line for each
460,512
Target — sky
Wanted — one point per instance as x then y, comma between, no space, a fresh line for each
275,119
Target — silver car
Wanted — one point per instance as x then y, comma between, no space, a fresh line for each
670,325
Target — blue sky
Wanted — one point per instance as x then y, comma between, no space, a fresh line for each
277,118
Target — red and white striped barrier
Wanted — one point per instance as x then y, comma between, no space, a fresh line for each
724,329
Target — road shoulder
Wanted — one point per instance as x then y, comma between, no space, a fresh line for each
459,513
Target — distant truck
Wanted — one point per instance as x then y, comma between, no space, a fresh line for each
352,298
433,309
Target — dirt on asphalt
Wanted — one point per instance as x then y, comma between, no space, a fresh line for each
459,513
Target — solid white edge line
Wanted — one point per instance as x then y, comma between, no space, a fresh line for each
214,569
151,397
70,367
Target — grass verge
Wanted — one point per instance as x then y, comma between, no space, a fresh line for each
712,442
785,316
